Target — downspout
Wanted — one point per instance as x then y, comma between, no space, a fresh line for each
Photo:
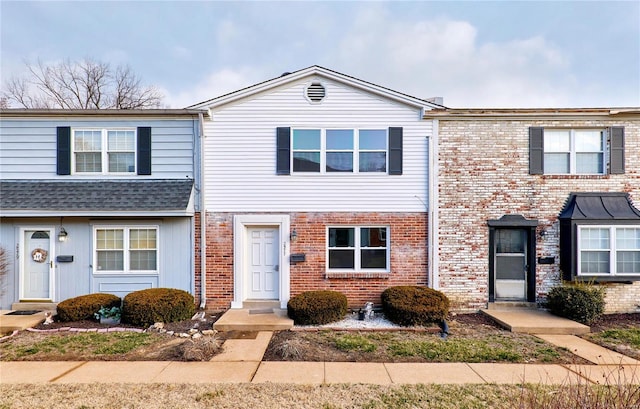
203,217
432,168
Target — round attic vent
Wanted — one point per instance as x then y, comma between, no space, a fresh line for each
315,92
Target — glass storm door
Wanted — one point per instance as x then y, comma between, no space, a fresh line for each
263,263
37,264
511,264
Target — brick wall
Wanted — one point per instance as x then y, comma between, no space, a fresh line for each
484,174
408,255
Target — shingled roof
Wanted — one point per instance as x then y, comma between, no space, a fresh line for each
94,196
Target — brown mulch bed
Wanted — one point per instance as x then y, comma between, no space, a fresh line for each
610,321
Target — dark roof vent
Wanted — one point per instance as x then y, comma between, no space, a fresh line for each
284,74
315,92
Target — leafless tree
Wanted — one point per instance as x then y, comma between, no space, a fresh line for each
86,84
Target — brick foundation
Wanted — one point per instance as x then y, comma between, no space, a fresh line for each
408,255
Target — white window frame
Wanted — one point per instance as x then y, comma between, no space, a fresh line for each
357,249
355,151
613,251
104,151
573,153
126,249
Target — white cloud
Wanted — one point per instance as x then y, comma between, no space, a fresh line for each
215,84
443,57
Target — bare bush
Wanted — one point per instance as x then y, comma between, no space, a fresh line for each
200,349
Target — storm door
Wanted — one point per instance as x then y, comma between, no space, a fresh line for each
510,264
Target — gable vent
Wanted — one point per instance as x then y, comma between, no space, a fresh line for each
315,92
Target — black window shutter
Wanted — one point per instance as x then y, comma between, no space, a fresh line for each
144,150
395,151
63,163
616,149
536,150
283,151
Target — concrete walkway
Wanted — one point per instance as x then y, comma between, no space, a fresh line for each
311,373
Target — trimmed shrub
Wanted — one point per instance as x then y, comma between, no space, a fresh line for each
414,305
317,307
579,302
146,307
84,306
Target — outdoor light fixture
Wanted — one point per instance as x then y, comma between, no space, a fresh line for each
62,236
294,235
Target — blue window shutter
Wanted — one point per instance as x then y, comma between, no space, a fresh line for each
63,164
144,150
283,151
616,150
536,150
395,151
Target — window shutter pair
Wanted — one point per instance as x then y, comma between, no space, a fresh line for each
64,150
283,151
616,150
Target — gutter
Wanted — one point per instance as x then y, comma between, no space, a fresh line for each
203,217
433,239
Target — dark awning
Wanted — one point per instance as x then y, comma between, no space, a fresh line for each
91,197
599,206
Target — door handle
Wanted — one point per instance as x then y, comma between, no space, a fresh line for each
51,263
276,267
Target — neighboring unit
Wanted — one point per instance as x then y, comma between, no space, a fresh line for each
97,201
314,180
528,198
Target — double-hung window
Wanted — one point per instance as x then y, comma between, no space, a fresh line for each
339,150
126,249
104,151
574,151
609,250
358,248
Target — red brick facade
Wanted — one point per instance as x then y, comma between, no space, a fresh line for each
484,174
408,255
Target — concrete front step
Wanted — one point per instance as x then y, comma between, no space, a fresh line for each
10,323
510,305
255,319
41,306
530,321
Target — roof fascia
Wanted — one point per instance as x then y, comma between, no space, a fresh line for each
49,213
562,113
320,71
104,113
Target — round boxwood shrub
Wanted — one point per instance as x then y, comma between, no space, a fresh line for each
317,307
152,305
414,305
579,302
84,306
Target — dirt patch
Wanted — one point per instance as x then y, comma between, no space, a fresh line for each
624,342
474,337
616,321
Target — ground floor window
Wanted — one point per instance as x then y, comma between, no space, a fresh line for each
126,249
358,248
609,250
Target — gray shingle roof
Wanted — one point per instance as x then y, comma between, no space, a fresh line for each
95,195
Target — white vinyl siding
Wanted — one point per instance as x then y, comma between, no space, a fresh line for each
240,153
28,146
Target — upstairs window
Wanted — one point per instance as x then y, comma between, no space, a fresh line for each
339,150
104,151
358,249
574,151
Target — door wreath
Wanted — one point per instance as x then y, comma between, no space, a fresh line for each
39,255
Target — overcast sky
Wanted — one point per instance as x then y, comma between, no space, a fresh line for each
474,54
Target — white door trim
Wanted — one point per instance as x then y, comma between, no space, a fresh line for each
51,257
240,224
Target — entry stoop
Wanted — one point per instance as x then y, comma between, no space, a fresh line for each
534,321
255,316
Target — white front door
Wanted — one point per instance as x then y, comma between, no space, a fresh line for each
37,264
263,263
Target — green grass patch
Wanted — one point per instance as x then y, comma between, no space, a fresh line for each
459,350
79,344
355,342
630,336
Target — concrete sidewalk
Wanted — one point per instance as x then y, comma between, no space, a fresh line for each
312,373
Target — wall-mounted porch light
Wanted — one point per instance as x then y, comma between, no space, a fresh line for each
294,235
62,235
